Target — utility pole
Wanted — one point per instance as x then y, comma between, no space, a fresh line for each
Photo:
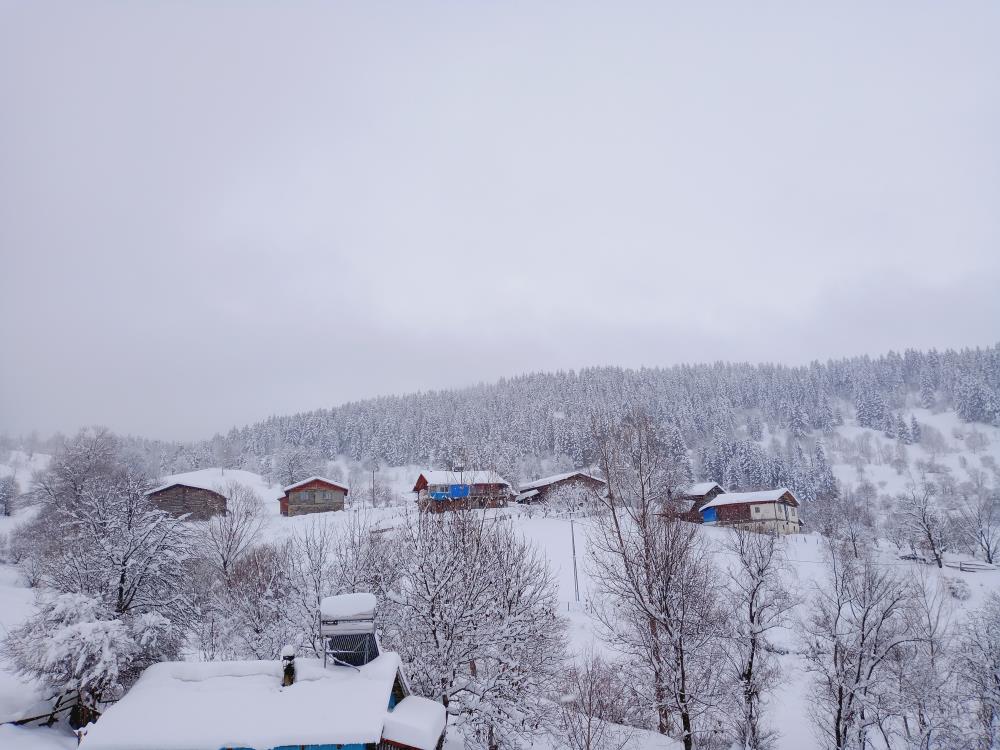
576,580
374,469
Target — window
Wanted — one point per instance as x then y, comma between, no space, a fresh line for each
756,509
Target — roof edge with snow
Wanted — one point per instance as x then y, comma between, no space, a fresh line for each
344,487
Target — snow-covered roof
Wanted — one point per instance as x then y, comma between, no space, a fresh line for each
737,498
526,495
199,705
316,479
471,476
216,479
348,606
702,488
415,722
545,481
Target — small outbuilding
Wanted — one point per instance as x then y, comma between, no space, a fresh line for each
766,510
312,495
569,483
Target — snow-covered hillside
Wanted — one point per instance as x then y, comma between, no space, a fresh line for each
856,454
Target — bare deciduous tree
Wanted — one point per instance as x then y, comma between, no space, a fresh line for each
229,535
856,623
658,600
759,602
590,708
922,516
979,523
979,667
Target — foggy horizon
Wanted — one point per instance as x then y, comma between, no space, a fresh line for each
211,214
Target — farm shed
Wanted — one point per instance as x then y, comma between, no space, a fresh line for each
439,491
767,510
312,495
701,493
541,490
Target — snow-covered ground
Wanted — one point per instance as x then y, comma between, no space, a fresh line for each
555,536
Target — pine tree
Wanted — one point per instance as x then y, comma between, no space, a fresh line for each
902,431
914,429
927,397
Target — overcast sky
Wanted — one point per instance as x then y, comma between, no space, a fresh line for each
213,212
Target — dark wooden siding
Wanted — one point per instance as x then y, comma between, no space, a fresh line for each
480,496
179,499
305,499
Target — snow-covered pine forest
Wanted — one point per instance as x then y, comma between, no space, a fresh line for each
744,425
868,632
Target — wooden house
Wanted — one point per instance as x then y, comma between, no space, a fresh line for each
197,502
541,490
767,510
439,491
698,494
312,495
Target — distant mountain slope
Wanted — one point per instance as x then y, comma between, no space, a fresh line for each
743,424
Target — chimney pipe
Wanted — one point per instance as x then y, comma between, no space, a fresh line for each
288,668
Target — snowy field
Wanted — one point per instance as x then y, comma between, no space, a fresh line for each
788,707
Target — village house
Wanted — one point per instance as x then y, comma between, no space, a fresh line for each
195,500
766,510
286,704
312,495
541,490
439,491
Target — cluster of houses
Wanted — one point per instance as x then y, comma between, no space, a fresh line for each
437,491
356,696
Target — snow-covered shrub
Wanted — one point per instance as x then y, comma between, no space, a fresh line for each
957,588
76,646
4,547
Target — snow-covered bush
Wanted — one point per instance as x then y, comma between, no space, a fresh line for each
85,654
957,588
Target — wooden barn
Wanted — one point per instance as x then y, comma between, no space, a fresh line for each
179,498
312,495
439,491
767,510
701,493
572,482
